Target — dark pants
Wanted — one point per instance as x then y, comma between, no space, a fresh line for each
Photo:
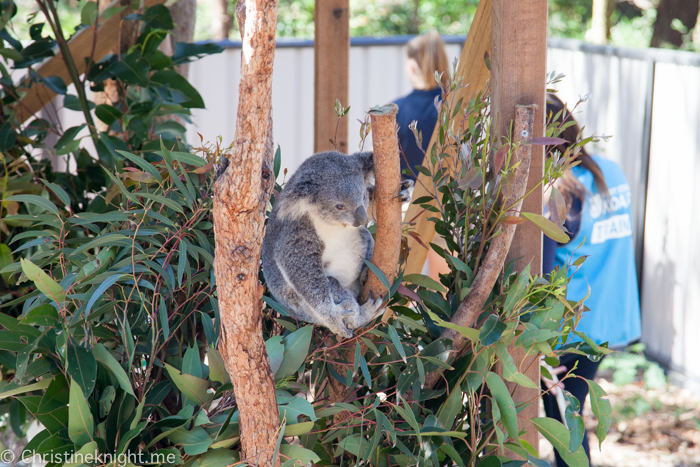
577,387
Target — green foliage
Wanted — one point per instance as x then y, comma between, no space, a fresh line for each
114,345
152,103
108,285
628,364
570,19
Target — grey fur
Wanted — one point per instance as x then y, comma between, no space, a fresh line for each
312,252
221,167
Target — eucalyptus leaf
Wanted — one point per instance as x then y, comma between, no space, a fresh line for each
296,347
82,366
492,330
547,227
195,389
195,441
424,281
601,408
558,435
43,282
43,315
80,421
505,403
106,359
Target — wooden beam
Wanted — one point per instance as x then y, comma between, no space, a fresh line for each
519,58
81,47
331,69
474,73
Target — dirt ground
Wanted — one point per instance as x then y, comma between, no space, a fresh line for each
650,428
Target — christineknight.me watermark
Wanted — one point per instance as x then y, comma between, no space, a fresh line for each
90,458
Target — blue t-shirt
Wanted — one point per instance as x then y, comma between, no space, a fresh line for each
419,105
609,270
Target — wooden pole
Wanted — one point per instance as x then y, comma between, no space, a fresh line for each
519,57
331,71
387,170
241,196
474,73
387,246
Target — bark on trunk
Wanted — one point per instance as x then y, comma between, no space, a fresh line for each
492,265
223,22
668,10
240,202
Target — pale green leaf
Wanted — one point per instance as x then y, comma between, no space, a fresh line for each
80,420
43,282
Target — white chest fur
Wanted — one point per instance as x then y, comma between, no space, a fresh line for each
343,252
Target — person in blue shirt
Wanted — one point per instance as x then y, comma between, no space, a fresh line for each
599,219
425,56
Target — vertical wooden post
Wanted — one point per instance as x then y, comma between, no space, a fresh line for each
519,58
331,70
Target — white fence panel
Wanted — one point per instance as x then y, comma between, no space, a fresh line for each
616,107
376,77
671,286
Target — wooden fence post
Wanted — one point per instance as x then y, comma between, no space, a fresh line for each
331,72
519,58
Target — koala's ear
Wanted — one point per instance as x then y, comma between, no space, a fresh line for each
366,160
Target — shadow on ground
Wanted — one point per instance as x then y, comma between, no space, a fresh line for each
650,428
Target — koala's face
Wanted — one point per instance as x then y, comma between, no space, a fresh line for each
333,186
344,204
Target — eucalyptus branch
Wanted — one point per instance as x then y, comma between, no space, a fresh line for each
49,10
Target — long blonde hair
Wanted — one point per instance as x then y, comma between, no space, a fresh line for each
428,50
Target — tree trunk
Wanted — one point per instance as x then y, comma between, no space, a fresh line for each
414,23
600,24
184,13
241,197
387,173
223,22
664,33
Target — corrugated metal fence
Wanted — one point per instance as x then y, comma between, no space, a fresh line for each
648,99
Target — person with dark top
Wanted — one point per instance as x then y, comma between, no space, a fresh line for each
425,55
599,220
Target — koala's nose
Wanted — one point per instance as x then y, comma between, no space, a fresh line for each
360,216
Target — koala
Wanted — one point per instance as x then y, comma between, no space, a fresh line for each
316,241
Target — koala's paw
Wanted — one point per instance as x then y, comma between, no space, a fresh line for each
342,318
221,167
371,309
404,192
